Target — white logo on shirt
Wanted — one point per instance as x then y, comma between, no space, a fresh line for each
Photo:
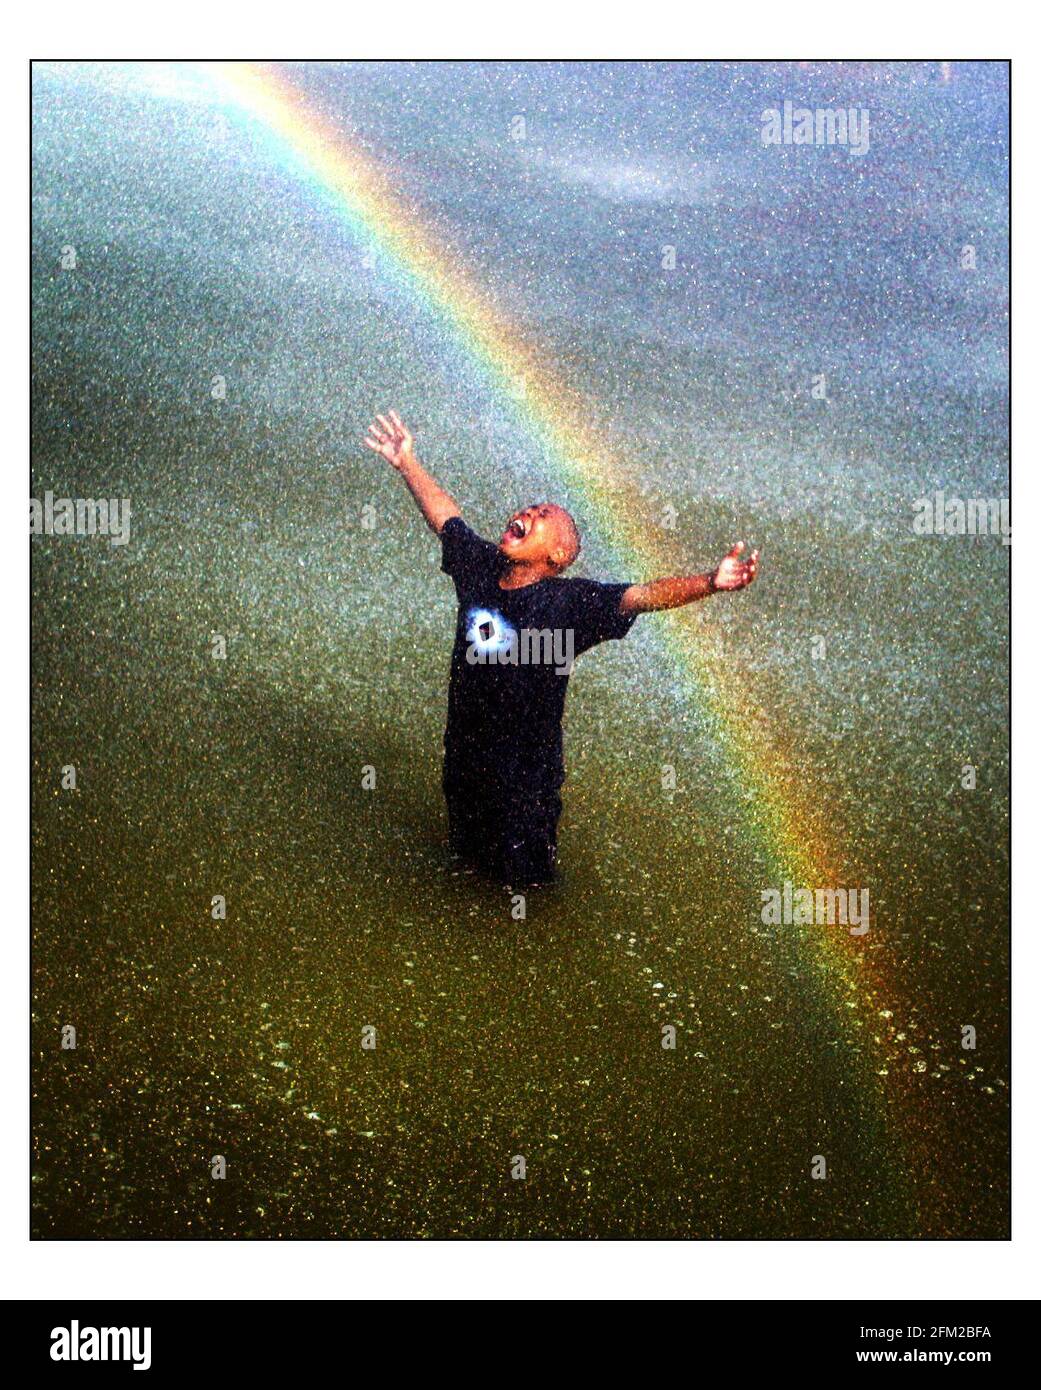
493,642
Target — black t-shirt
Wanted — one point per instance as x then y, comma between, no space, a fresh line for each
510,663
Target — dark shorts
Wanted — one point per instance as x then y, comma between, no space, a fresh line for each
510,834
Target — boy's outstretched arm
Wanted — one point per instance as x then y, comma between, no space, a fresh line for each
732,573
391,438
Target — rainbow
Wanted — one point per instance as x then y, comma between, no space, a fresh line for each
788,830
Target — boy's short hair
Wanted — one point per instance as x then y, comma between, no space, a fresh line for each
571,535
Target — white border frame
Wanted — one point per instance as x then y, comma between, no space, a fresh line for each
524,1269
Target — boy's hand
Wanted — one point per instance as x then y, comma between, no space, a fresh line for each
732,573
735,573
391,439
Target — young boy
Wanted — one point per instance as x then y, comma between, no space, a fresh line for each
519,628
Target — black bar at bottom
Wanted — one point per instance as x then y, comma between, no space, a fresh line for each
179,1339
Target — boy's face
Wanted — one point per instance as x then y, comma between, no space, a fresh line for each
541,532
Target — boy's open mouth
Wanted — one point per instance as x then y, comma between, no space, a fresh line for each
516,530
